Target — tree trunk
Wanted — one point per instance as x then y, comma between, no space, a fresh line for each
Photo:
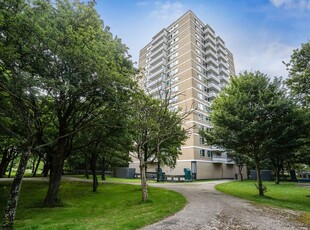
10,210
240,172
93,171
37,166
259,179
52,197
11,167
4,162
33,165
145,195
277,172
158,171
86,168
103,169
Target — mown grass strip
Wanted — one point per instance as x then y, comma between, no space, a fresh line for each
295,196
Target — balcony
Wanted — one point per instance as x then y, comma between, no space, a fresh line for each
161,42
212,69
214,86
224,79
225,71
222,63
155,74
219,159
156,58
156,66
210,38
212,60
210,52
222,56
214,78
212,94
156,90
209,30
159,48
162,34
157,83
220,41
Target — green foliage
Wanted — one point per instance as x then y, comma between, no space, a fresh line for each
158,131
286,195
299,84
114,206
299,74
253,117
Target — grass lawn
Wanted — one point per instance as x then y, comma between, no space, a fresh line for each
285,195
114,206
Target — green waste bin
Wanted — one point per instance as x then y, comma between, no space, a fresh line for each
188,174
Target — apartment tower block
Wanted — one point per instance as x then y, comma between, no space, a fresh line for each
190,61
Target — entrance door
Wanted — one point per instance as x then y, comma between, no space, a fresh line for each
194,170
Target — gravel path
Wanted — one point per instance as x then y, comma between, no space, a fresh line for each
210,209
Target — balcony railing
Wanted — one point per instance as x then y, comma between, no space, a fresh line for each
158,49
224,78
219,159
225,71
213,77
212,60
214,86
214,70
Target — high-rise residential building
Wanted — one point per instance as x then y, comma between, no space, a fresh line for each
190,61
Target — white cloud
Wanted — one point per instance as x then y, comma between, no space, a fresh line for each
266,57
292,4
167,10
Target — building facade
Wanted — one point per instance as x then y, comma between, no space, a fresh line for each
193,64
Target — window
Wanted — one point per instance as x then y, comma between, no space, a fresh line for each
199,67
200,106
202,153
173,80
200,116
199,77
210,154
173,63
199,86
200,96
198,59
174,89
201,141
198,51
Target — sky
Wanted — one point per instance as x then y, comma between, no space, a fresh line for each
261,34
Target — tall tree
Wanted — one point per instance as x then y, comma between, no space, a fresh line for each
299,85
19,89
158,134
243,115
286,134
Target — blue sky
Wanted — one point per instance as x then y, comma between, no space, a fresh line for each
260,33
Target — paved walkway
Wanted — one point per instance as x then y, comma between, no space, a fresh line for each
210,209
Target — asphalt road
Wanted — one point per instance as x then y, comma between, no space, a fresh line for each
210,209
